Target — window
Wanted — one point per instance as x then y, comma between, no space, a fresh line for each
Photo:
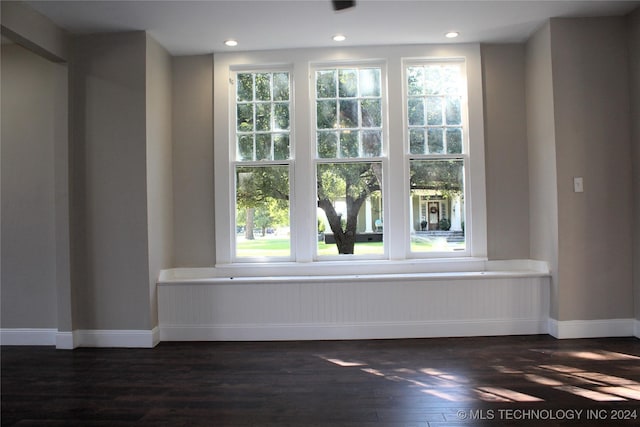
435,95
357,154
349,149
262,163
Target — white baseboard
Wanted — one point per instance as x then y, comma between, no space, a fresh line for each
28,336
80,338
593,328
636,328
65,341
274,332
116,338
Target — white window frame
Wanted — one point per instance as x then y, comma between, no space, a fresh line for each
383,158
464,156
300,63
233,80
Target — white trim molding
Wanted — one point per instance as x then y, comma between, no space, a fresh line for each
636,328
599,328
116,338
352,331
68,340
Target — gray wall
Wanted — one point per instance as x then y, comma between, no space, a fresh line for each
634,73
194,243
578,125
159,166
34,121
592,122
110,264
33,31
141,172
541,143
506,151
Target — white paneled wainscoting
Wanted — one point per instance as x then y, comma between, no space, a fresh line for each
493,298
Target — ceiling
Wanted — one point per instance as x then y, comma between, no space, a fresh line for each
188,27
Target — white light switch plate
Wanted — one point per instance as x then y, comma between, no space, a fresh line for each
578,184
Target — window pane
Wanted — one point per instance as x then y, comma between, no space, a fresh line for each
263,146
434,111
263,117
454,116
437,205
245,117
349,144
281,86
280,146
245,147
263,87
416,112
245,87
371,143
348,114
433,75
416,141
434,140
326,84
370,82
451,81
454,140
371,113
327,145
327,114
347,83
262,212
350,208
415,80
281,119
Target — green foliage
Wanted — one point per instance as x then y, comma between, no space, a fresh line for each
443,176
256,185
347,180
444,224
262,197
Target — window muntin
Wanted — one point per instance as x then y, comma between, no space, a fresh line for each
436,132
262,165
349,151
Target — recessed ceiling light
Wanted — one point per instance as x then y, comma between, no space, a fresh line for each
230,43
339,38
452,34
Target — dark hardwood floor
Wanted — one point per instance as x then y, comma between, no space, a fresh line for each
493,381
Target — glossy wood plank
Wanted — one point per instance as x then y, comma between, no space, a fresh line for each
518,380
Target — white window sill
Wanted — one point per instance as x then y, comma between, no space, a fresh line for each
356,271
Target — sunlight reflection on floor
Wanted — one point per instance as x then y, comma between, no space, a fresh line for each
456,387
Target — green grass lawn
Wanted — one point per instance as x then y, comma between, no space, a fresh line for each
281,247
274,247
